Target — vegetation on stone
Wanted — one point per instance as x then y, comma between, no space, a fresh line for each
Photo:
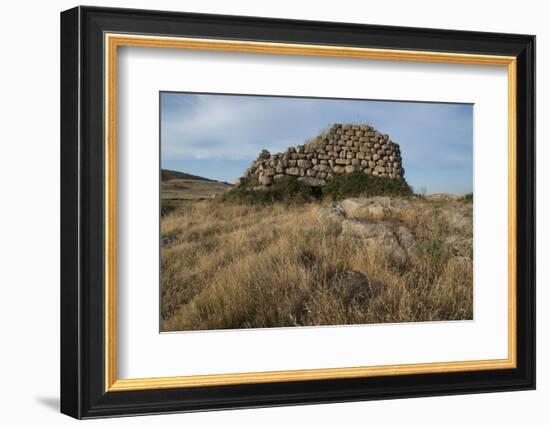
287,190
292,190
361,184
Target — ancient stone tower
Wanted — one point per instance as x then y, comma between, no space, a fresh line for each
344,148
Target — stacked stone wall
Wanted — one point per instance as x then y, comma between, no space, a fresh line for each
344,148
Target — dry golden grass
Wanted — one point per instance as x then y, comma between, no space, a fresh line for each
227,266
189,189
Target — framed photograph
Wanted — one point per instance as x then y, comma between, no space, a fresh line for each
261,212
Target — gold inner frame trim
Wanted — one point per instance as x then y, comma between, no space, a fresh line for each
113,41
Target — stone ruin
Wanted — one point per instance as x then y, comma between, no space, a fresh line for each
343,148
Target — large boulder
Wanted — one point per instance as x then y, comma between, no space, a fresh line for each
265,180
376,207
334,212
379,236
378,239
292,171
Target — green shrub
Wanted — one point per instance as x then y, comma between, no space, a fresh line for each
287,189
361,184
290,190
469,197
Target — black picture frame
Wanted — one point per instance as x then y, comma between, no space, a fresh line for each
83,392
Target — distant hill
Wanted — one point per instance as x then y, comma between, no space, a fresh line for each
176,186
166,175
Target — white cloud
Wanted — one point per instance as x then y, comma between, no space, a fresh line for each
435,139
235,128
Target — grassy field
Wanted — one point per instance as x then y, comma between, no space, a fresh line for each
227,265
191,190
177,191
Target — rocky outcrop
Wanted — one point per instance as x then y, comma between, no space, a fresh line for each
344,148
383,224
376,207
363,219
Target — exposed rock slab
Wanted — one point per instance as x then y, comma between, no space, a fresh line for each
383,224
378,236
376,207
334,212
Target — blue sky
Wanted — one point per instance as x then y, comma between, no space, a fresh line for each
218,136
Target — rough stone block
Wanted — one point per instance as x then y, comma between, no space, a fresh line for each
265,180
311,181
304,163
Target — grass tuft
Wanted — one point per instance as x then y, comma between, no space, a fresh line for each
360,184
